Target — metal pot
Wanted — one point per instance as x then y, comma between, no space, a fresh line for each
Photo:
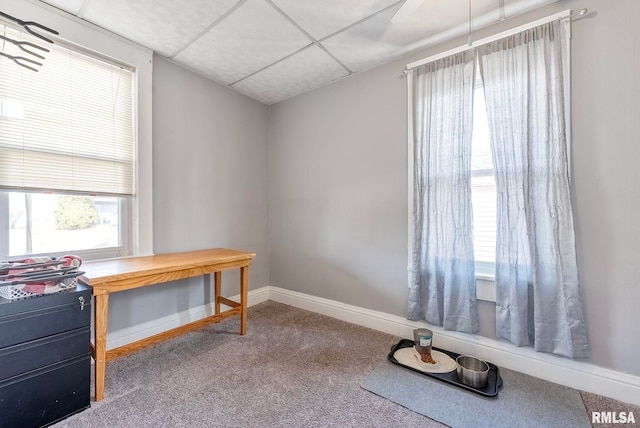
472,371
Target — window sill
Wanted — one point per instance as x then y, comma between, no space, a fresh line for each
485,277
485,288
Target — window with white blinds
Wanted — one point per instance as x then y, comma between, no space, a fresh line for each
67,127
483,189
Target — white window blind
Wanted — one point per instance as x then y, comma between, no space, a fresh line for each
69,126
483,187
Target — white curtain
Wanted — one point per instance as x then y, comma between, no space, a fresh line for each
538,298
442,288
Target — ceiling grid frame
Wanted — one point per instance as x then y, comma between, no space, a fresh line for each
209,28
354,38
313,40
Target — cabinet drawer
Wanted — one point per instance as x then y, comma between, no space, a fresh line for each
24,357
44,396
37,317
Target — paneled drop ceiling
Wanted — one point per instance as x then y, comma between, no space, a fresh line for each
272,50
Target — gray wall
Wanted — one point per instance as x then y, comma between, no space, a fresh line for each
209,187
338,183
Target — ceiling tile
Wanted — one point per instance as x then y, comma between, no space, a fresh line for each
162,25
321,18
377,40
302,72
252,37
71,6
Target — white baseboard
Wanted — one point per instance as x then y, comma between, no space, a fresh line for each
137,332
575,374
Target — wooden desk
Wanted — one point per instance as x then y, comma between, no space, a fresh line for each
111,276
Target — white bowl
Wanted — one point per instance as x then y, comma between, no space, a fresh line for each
422,364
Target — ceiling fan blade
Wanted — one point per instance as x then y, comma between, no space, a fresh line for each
406,10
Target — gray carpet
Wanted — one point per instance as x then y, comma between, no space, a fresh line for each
294,368
522,401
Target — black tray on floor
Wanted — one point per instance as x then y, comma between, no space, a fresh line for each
494,381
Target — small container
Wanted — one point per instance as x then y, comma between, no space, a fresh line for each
422,339
472,371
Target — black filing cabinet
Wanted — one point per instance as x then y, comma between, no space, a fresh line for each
45,360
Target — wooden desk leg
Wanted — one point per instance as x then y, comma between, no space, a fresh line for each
217,286
244,293
100,342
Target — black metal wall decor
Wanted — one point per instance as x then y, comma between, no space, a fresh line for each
27,47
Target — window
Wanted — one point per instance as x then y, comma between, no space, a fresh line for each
483,189
526,98
49,223
483,185
67,154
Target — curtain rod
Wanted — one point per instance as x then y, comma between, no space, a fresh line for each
565,16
